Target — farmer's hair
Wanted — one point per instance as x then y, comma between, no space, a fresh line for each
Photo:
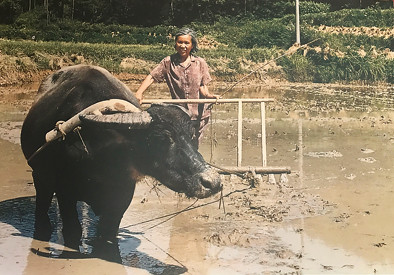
188,31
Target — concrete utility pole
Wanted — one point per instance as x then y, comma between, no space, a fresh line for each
46,6
72,11
298,40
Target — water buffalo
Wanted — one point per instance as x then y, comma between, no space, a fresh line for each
101,162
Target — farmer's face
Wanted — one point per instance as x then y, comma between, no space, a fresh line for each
183,45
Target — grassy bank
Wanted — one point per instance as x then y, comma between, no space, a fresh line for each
314,64
31,56
361,52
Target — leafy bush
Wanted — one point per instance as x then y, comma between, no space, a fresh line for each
297,67
369,69
278,9
351,67
390,71
33,19
307,7
265,34
41,60
9,11
352,18
75,31
261,54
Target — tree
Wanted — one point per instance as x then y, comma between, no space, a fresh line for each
9,11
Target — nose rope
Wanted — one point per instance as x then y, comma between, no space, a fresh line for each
172,216
189,208
192,207
221,201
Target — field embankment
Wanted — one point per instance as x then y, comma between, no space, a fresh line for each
350,46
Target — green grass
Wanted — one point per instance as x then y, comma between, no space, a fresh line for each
244,44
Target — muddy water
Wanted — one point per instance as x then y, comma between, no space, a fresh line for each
334,215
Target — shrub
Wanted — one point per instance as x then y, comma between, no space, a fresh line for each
261,54
353,18
297,67
390,71
41,60
9,10
265,34
351,67
33,19
326,73
308,7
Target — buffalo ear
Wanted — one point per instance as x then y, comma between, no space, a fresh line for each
137,120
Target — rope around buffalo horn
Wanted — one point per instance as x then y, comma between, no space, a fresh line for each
60,128
64,127
76,130
106,106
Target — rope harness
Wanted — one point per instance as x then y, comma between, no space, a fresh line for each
62,128
77,130
189,208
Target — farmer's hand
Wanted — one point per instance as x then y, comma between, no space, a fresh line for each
139,97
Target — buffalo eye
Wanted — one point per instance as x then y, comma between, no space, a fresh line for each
161,141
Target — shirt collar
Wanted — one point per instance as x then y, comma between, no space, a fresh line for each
177,58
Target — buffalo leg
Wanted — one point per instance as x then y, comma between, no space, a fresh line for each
111,217
72,230
106,246
108,226
44,195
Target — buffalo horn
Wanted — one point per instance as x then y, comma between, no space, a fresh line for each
110,105
140,120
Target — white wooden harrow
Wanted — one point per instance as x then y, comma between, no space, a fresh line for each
264,169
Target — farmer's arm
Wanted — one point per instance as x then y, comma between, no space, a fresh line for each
144,85
204,92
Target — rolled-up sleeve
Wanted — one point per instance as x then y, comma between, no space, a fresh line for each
159,72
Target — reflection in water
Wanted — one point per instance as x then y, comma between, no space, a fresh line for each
317,257
17,220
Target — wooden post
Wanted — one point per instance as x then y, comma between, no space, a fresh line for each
239,147
47,10
297,25
263,136
72,10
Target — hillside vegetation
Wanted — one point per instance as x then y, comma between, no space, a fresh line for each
349,46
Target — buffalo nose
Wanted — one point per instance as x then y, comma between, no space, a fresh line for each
211,180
